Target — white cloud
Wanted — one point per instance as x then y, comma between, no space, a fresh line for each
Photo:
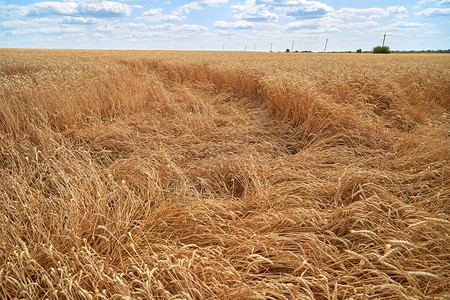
255,13
434,12
241,24
264,10
410,24
251,21
52,8
369,13
310,10
137,26
404,26
197,5
422,2
315,25
49,30
213,2
167,31
156,15
391,10
184,27
260,15
80,20
350,13
358,25
109,28
172,32
105,9
122,28
12,11
31,24
101,9
305,3
300,9
152,12
432,32
15,24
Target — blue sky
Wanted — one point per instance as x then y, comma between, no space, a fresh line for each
225,24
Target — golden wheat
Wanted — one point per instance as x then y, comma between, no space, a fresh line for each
202,175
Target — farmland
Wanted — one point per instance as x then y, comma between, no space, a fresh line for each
221,175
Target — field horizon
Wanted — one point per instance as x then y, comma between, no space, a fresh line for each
137,174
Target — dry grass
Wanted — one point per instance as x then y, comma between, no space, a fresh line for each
197,175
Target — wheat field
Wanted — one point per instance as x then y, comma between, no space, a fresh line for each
221,175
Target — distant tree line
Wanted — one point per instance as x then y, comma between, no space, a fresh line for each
385,49
422,51
380,49
304,51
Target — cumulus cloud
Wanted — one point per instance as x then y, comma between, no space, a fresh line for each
15,24
49,30
434,12
255,13
105,9
24,25
176,32
264,10
241,24
156,15
349,13
308,12
213,2
12,11
122,28
292,3
260,15
184,27
421,2
358,25
391,10
315,26
100,9
404,26
197,5
369,13
138,26
79,20
52,8
250,19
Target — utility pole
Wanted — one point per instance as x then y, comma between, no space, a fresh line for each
245,49
292,48
270,47
384,38
325,49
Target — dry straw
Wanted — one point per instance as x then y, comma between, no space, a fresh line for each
157,175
